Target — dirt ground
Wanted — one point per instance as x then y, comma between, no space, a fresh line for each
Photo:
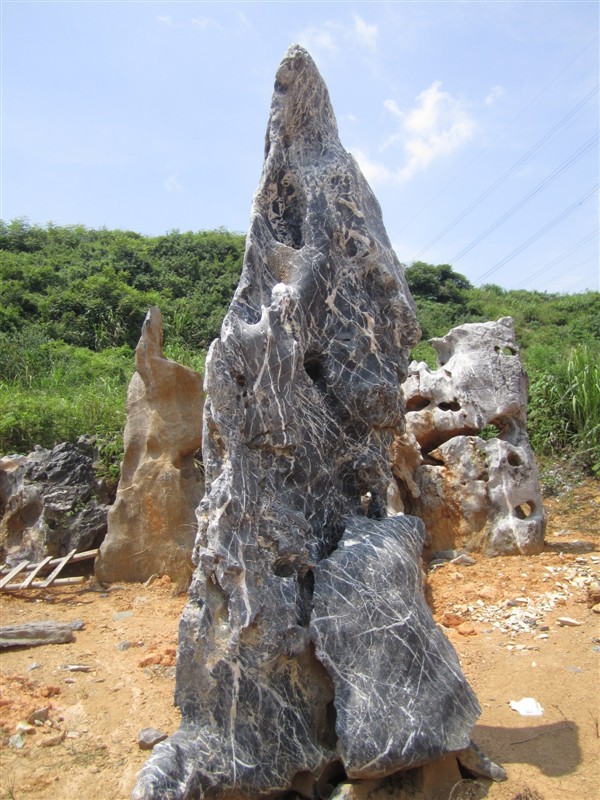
501,615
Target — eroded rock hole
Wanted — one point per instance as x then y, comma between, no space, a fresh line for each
331,777
417,403
432,460
287,211
505,351
453,405
376,508
303,785
514,460
304,598
314,368
505,430
283,569
524,510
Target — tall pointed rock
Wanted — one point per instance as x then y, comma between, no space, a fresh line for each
306,648
151,525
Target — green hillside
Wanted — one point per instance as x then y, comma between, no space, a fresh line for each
73,301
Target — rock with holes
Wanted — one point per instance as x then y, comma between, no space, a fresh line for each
303,587
152,524
51,503
474,481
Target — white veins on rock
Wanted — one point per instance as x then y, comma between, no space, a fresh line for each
306,648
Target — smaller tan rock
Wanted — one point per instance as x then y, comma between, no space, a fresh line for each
51,741
467,629
593,594
488,593
596,608
452,620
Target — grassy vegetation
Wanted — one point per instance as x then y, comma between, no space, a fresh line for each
73,301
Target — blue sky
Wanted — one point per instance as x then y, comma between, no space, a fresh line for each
476,123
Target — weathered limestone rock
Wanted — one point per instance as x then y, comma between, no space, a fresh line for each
152,524
50,503
306,651
474,492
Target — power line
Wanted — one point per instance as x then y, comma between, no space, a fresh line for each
498,135
536,190
509,171
543,230
562,257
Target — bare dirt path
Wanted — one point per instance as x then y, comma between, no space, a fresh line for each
502,616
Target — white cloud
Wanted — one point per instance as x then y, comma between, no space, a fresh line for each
317,40
327,39
202,23
166,20
366,34
495,93
172,185
436,126
374,171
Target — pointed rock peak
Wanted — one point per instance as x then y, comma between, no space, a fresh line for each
300,109
151,340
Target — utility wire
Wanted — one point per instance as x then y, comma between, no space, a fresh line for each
562,257
536,190
510,171
498,135
543,230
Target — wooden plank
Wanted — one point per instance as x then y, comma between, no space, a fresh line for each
57,569
14,571
14,587
34,572
83,556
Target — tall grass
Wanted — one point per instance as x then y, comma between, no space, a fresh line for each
583,372
51,392
564,408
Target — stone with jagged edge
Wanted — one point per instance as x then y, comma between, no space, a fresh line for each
303,401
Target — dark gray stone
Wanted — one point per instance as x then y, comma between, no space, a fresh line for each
50,503
400,695
303,402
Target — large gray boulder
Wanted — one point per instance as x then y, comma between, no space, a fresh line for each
471,475
306,648
50,503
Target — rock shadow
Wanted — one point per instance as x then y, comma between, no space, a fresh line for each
553,748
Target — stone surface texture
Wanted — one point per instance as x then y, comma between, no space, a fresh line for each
474,492
50,503
152,524
306,650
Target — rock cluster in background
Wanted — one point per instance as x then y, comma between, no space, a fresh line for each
464,465
306,651
152,524
50,503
